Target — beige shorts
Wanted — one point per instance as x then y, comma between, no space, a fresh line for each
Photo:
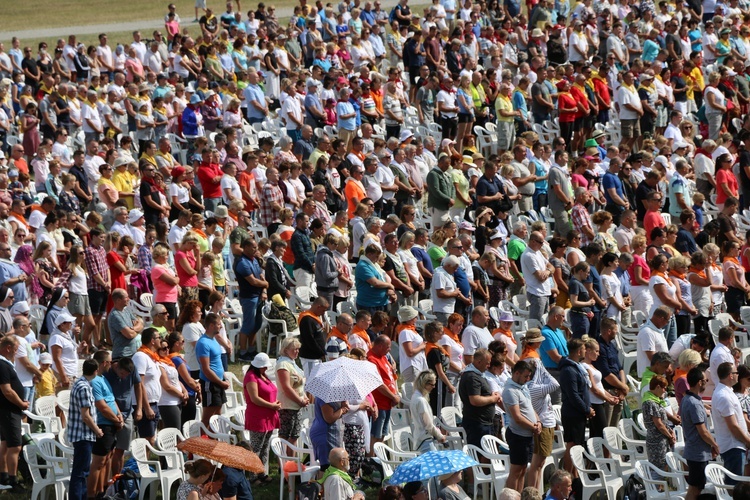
543,442
630,128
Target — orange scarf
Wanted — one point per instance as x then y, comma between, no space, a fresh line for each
529,352
430,346
335,332
234,217
362,333
21,219
38,207
155,357
701,273
452,335
401,328
200,232
507,333
310,314
732,259
663,275
677,275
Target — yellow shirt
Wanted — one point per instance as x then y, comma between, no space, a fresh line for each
503,103
46,386
218,271
124,183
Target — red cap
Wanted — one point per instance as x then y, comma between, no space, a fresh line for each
178,171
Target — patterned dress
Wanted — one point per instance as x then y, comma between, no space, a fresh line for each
657,444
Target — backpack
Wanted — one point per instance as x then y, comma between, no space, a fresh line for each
392,15
309,491
283,313
372,473
125,485
634,488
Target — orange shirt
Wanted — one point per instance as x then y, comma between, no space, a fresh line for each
389,380
354,193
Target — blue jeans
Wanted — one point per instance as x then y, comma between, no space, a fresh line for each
249,309
670,332
579,324
211,203
80,470
734,462
28,395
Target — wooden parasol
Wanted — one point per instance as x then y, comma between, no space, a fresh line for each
226,454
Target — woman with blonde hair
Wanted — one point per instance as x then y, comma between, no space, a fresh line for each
436,251
426,434
188,264
466,111
511,190
716,276
678,268
687,360
79,294
291,381
603,237
716,105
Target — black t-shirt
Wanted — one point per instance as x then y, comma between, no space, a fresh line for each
30,65
641,193
211,24
726,225
148,191
8,375
675,41
678,82
434,358
474,384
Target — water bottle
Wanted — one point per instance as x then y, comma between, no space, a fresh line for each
626,498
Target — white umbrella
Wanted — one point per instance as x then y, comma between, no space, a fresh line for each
343,379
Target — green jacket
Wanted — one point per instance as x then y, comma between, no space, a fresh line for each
440,188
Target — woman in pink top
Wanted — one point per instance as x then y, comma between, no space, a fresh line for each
640,273
165,284
726,182
188,261
577,178
262,412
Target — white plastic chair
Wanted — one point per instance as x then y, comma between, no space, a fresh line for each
658,489
166,440
717,476
37,464
151,471
484,472
282,448
593,480
45,413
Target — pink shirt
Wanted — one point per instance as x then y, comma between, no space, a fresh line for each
260,419
639,261
162,291
185,280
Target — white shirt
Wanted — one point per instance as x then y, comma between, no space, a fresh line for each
69,355
140,50
454,349
24,350
291,107
669,288
105,53
191,332
91,166
625,96
90,114
385,176
649,339
419,360
720,354
724,403
230,183
532,261
474,337
122,229
441,280
150,375
153,61
167,398
63,152
176,233
673,133
449,100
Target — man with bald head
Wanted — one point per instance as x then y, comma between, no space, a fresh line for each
536,270
336,481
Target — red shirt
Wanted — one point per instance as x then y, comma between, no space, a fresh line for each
565,100
580,96
389,379
723,175
651,220
601,89
209,175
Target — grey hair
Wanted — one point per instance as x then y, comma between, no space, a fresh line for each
120,211
509,494
518,225
579,191
450,260
285,141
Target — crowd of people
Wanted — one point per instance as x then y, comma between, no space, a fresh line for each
479,198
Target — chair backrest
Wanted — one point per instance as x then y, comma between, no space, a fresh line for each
716,476
139,450
493,445
31,455
450,415
220,424
167,438
192,428
63,400
577,454
402,439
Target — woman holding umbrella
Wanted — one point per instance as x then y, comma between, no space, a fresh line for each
201,479
262,412
451,490
325,432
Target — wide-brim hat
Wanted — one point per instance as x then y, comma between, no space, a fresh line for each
407,313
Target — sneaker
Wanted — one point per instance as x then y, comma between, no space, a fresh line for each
247,356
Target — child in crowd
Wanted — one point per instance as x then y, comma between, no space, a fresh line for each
48,384
206,277
217,269
698,200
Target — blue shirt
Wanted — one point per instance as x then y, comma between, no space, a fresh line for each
608,361
553,339
122,389
462,281
346,108
245,267
235,484
650,50
103,392
610,181
206,347
596,280
624,276
519,102
367,17
698,215
542,185
254,93
8,271
367,295
80,397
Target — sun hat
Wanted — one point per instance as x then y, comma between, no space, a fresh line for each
534,336
466,226
261,360
20,307
45,358
407,313
134,215
221,211
64,317
597,134
505,316
405,135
